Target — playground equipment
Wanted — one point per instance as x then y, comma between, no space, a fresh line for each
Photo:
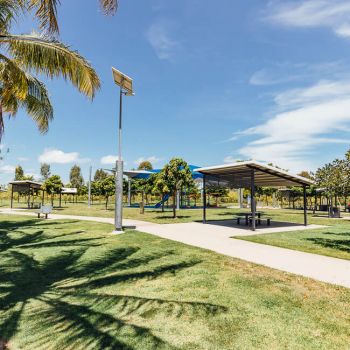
165,199
145,174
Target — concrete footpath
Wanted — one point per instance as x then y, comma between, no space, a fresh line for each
217,238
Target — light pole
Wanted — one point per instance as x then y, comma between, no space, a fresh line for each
89,188
125,85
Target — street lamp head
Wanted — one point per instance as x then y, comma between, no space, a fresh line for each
123,81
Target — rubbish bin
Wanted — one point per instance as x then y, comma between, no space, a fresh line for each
335,212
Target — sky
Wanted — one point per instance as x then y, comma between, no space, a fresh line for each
214,82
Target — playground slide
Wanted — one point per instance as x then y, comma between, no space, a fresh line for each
159,204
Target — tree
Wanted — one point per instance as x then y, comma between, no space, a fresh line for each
95,189
145,165
100,175
175,175
145,186
216,191
21,55
75,177
160,187
107,188
52,186
46,11
330,178
19,173
45,171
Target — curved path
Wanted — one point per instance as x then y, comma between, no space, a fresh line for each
217,238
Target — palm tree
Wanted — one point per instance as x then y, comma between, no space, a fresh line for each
46,11
22,56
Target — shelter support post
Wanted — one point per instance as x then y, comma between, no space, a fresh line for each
204,201
60,200
305,203
252,198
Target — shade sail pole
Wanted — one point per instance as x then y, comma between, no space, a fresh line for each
204,201
252,198
305,202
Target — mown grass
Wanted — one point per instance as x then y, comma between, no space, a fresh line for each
72,285
185,215
331,241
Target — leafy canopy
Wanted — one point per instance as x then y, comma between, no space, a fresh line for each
24,56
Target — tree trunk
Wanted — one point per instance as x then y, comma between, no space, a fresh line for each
107,202
174,205
345,202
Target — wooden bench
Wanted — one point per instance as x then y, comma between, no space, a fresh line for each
44,209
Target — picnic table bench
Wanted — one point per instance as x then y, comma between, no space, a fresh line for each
249,218
44,209
268,220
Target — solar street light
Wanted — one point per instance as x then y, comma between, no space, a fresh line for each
125,84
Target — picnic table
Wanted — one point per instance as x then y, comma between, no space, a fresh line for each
249,215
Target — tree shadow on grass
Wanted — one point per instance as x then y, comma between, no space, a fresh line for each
59,299
337,244
37,239
335,233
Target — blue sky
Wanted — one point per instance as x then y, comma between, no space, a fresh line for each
214,82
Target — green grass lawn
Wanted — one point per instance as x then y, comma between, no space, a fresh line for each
72,285
332,241
183,215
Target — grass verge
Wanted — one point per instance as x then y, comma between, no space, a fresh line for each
332,241
68,284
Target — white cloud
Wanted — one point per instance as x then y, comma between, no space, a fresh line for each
285,72
322,91
7,169
56,156
309,118
230,159
36,176
152,159
23,159
159,35
334,14
110,159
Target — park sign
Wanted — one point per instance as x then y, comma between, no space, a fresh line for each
67,190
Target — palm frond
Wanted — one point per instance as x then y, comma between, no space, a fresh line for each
8,9
36,103
13,79
46,12
48,56
109,6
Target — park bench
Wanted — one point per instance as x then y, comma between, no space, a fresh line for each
44,209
